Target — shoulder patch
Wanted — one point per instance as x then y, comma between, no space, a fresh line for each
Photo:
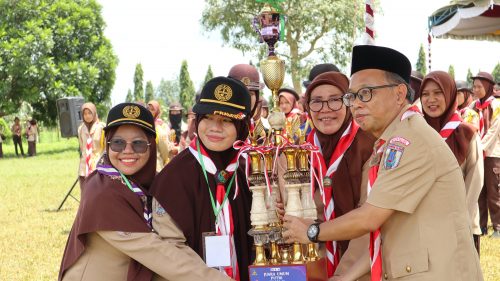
400,140
393,155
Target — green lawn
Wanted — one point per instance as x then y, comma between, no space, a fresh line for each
33,235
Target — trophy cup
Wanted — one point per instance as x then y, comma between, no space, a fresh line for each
287,262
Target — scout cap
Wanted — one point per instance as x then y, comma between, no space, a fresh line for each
382,58
484,76
247,74
132,114
462,86
224,96
291,91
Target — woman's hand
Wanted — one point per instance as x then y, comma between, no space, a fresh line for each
296,229
280,208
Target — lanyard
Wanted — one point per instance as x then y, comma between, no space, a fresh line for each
214,206
127,183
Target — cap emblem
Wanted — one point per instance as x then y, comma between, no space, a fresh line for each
245,81
223,92
131,111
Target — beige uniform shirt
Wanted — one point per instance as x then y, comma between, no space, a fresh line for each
429,236
491,140
192,266
97,133
473,172
470,116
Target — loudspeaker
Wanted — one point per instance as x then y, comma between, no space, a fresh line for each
70,115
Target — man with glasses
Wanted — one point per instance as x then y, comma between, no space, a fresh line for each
415,211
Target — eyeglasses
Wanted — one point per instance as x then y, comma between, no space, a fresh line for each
118,145
364,94
332,103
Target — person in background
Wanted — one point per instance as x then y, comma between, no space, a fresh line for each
163,143
317,70
265,109
206,175
175,122
91,140
112,238
464,100
289,102
32,133
488,108
415,83
439,103
16,136
2,136
188,134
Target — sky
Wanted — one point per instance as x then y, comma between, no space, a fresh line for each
160,34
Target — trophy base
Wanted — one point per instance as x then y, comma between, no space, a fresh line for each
310,271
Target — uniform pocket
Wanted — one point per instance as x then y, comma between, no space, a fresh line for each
409,263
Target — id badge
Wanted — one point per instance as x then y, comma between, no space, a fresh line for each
216,249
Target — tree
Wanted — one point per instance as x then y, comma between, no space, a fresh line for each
451,71
168,91
421,65
150,92
138,83
186,88
129,97
496,73
52,49
469,77
208,76
316,30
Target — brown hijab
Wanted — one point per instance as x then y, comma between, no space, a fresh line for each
125,214
349,172
488,113
461,137
91,107
157,107
182,190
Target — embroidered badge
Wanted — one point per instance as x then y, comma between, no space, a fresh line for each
222,177
400,140
131,111
245,81
327,182
393,155
160,211
223,92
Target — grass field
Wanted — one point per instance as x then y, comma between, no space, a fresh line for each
33,235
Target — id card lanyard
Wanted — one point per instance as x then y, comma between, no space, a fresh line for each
214,205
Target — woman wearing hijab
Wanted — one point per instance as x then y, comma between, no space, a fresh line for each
112,236
163,144
488,107
204,177
438,95
91,140
32,133
464,100
289,102
344,183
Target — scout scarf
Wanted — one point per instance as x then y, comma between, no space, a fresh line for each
450,126
112,172
222,209
375,239
88,153
325,184
480,107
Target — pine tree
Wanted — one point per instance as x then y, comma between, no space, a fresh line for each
129,97
469,77
496,73
421,65
451,71
149,92
186,87
138,83
209,75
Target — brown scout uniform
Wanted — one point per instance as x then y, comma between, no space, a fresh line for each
429,236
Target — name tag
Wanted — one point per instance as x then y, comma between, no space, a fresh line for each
217,250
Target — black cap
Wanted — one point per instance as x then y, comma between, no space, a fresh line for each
132,114
382,58
224,96
462,86
291,91
319,69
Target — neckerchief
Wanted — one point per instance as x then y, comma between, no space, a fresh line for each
325,184
375,238
113,173
88,153
480,107
450,126
224,218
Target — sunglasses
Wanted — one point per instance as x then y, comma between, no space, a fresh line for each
118,145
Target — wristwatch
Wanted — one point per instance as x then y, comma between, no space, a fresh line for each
313,232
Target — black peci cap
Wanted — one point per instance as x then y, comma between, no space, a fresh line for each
382,58
132,114
226,97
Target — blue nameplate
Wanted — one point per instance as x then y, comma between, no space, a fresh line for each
279,272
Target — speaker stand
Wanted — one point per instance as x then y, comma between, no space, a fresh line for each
68,195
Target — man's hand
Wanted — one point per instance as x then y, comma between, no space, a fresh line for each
296,229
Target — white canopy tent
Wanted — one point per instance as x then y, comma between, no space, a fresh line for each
471,20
